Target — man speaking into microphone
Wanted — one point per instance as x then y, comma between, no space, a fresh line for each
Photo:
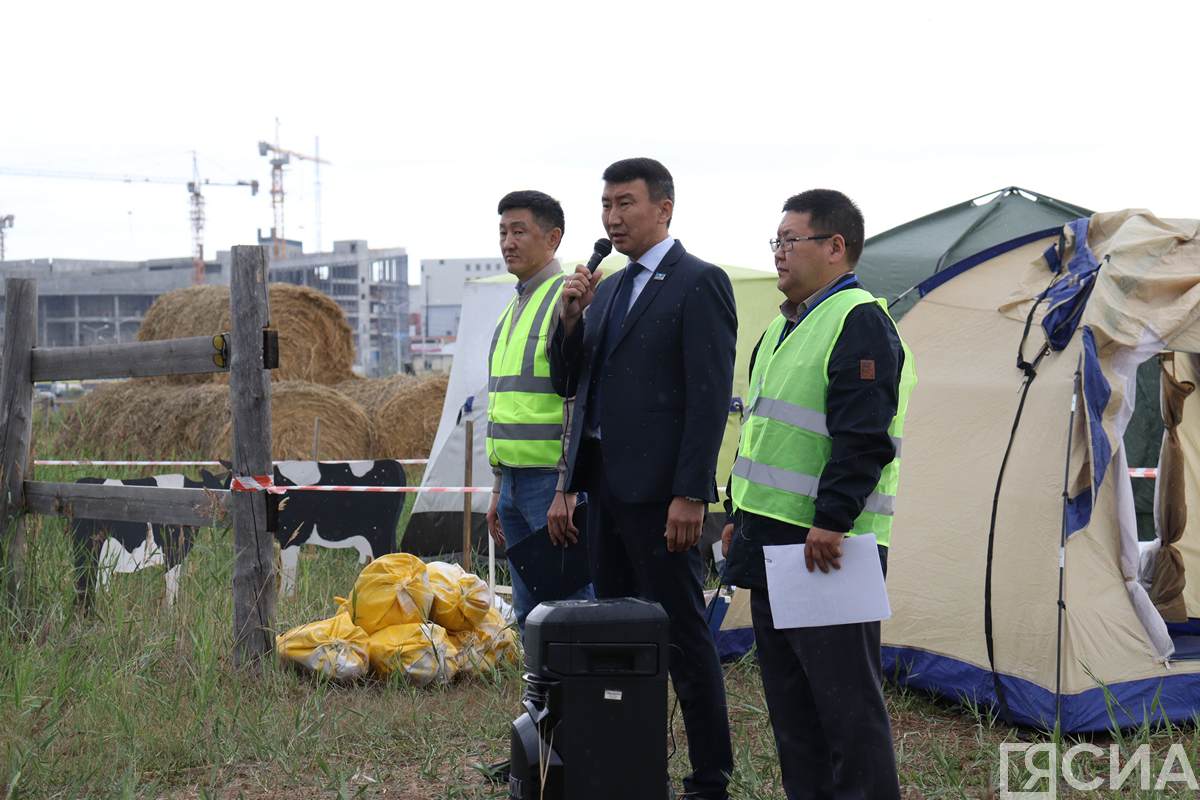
651,368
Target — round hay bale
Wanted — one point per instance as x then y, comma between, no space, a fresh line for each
406,424
315,341
142,419
345,431
154,420
372,393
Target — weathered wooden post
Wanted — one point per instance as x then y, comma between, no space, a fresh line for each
16,418
468,481
250,403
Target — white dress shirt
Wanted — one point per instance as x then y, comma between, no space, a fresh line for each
649,261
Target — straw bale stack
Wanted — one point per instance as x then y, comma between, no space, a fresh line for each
407,422
149,419
315,341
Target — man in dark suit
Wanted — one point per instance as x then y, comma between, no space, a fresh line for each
651,367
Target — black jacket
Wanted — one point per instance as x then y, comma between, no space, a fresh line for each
667,382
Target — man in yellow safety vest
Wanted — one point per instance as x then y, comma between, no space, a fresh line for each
525,414
819,460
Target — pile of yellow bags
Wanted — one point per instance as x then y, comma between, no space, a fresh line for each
429,622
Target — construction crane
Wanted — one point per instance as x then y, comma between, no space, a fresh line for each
194,187
197,215
6,221
280,158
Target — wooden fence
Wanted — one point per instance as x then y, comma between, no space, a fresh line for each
247,351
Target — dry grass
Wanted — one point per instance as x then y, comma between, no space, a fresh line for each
136,700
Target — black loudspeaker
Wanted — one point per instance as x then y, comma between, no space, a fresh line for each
594,725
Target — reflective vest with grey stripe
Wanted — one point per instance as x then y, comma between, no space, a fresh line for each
785,442
525,414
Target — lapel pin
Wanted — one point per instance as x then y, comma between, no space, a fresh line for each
660,276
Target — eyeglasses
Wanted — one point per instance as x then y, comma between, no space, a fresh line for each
789,243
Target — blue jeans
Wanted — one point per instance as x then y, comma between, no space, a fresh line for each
525,498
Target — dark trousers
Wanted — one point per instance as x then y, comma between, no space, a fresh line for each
629,558
825,697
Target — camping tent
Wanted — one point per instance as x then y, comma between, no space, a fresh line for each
977,611
948,241
436,523
898,259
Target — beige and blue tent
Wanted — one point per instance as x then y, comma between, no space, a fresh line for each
1016,575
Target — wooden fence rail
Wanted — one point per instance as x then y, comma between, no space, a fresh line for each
246,352
130,360
192,507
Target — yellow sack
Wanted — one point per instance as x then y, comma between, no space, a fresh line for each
474,652
506,647
461,599
391,590
499,641
335,647
422,652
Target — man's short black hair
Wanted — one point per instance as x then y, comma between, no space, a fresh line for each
658,180
830,211
547,212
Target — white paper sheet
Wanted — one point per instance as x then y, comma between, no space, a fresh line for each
803,599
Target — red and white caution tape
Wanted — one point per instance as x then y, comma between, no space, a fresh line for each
84,462
263,483
384,489
251,483
1143,472
104,463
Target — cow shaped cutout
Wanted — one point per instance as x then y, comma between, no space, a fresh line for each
104,547
364,521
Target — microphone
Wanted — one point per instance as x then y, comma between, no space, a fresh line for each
600,250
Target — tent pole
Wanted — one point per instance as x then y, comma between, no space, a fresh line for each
468,480
1062,548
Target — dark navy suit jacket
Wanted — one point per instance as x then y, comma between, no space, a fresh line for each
666,384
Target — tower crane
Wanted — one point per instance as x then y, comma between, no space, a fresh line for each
194,187
280,158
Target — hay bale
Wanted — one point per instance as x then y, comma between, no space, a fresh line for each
372,393
345,428
407,422
116,420
315,341
150,419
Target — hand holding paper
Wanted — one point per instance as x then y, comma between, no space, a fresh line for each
803,599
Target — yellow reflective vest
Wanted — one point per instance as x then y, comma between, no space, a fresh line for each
785,443
525,414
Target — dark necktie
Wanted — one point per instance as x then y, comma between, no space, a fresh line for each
612,330
616,317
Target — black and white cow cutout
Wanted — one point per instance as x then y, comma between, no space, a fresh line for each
105,547
364,521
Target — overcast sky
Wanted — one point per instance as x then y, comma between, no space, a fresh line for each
429,112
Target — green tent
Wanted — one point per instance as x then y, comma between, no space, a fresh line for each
898,259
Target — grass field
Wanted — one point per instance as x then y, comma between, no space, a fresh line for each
136,700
